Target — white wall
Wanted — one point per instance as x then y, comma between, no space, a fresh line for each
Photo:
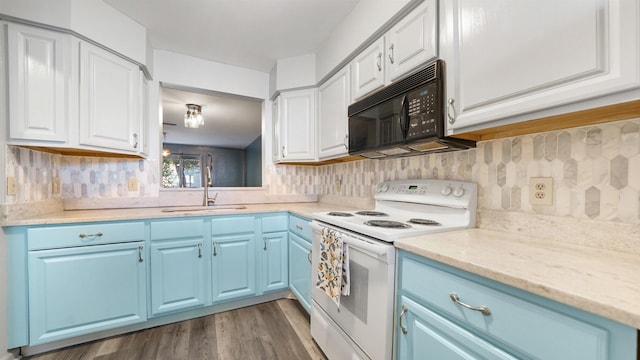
363,21
178,69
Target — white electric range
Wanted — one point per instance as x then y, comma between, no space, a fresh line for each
361,327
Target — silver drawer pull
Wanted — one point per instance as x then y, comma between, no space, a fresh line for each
83,235
299,227
402,327
483,309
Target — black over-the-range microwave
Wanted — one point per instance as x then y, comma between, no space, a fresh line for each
404,118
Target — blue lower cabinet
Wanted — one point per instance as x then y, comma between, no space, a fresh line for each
446,313
80,290
179,266
275,272
300,269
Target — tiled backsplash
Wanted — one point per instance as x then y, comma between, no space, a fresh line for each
595,171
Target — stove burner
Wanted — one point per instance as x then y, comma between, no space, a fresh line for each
371,213
387,224
424,222
339,214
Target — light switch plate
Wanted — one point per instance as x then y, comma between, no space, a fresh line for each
133,184
11,185
55,189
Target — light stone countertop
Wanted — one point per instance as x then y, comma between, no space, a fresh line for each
596,280
599,281
80,216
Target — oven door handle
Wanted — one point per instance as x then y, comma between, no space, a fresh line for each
364,246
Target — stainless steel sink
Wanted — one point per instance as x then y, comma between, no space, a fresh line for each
213,208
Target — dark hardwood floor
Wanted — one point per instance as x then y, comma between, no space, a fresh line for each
273,330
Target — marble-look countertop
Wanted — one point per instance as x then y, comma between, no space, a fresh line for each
80,216
599,281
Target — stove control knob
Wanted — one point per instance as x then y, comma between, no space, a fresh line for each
458,192
383,188
446,191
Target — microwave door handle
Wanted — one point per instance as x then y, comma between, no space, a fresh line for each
404,117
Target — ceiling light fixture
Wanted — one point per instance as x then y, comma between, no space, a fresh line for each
193,117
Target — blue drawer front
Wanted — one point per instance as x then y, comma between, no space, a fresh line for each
233,225
300,226
177,229
275,222
54,237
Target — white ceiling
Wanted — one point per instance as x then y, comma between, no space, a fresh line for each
229,121
247,33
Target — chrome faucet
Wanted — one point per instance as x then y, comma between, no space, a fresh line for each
208,181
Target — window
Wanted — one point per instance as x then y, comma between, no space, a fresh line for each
181,171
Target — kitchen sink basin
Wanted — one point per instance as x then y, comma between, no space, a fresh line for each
213,208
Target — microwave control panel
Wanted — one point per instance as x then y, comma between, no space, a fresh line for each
423,112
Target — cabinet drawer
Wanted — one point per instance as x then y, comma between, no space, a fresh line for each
275,222
530,326
176,229
300,226
233,225
53,237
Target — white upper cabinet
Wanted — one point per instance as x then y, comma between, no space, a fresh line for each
39,76
367,69
110,104
407,45
412,41
333,123
510,61
297,117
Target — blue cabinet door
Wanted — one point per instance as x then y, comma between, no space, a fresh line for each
300,269
81,290
275,272
233,266
424,335
178,275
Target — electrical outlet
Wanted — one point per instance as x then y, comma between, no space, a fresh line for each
541,191
133,184
11,185
55,190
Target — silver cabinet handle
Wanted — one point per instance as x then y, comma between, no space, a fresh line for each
391,54
200,250
140,248
135,141
451,111
379,62
309,255
98,234
483,309
215,245
346,141
402,327
264,239
299,227
283,152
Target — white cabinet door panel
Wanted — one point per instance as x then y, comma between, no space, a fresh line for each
39,73
413,41
333,127
367,70
297,115
508,58
109,100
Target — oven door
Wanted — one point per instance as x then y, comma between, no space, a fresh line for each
366,315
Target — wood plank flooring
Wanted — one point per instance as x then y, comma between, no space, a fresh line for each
273,330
